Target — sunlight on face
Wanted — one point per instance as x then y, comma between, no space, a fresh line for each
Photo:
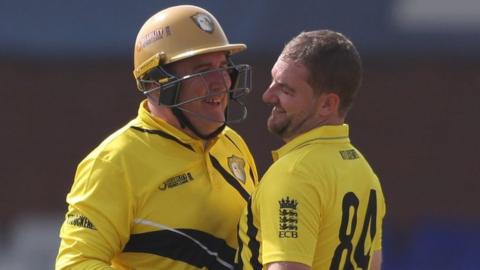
208,113
292,98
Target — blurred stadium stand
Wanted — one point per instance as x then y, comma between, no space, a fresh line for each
66,83
32,242
434,244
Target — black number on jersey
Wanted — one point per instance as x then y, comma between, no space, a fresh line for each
361,258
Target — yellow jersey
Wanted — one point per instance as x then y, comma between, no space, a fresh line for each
319,204
151,197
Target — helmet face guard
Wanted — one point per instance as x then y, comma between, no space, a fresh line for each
169,87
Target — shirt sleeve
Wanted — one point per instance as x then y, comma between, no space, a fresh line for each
289,208
97,223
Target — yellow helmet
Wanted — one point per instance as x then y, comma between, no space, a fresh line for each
177,33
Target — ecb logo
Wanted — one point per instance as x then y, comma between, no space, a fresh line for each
287,234
288,217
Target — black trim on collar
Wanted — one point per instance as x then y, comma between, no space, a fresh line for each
165,135
233,142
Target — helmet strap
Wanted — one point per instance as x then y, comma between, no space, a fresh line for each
184,122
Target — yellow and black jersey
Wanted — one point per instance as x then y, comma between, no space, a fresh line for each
319,204
151,197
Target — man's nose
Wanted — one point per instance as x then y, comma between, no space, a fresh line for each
219,80
269,95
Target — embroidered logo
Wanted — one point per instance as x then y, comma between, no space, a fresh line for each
204,22
153,36
237,167
349,154
288,218
176,181
80,221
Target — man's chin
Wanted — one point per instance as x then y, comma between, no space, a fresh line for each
217,116
274,129
210,127
207,119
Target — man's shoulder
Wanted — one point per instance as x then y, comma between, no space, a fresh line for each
311,153
115,143
304,162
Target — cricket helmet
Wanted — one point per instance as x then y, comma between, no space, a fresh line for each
177,33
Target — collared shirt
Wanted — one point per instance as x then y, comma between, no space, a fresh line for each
151,197
319,204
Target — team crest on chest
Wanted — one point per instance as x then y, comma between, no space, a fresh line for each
204,22
237,167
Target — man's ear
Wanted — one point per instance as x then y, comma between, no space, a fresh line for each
328,104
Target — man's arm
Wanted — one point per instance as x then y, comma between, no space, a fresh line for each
376,260
376,264
287,266
97,224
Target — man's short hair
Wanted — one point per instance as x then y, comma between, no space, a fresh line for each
333,63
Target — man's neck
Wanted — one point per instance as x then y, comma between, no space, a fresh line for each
333,121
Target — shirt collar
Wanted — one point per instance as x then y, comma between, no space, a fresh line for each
323,134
